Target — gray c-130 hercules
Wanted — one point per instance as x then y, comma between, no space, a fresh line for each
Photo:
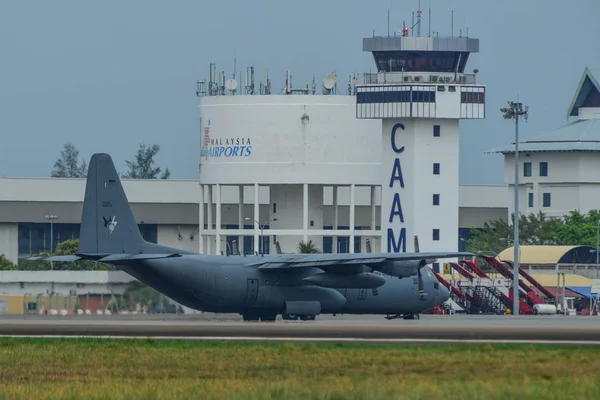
258,287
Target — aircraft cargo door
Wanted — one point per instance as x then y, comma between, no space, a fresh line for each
251,292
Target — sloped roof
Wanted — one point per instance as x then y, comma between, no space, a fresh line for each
580,135
590,81
548,280
541,255
551,280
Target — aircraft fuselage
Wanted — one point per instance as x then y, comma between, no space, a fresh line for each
224,285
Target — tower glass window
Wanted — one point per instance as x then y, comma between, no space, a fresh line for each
436,199
543,168
530,199
436,234
436,168
436,131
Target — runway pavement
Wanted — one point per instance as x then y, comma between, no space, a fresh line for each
361,329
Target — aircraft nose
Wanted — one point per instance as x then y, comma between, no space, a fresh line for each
444,293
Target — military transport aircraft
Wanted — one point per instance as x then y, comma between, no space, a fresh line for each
259,287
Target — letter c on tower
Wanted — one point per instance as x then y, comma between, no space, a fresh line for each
393,138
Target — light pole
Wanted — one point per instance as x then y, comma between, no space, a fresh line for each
51,219
597,247
261,244
515,111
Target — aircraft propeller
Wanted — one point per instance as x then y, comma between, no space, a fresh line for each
369,250
419,276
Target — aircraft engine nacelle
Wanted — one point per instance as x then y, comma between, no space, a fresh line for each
365,280
402,269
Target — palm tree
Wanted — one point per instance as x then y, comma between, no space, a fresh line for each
307,247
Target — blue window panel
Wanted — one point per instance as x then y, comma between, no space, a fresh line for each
527,169
546,200
343,241
543,168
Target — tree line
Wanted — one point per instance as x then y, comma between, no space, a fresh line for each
142,166
573,229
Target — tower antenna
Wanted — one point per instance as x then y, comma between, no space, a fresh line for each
419,20
452,25
389,6
429,24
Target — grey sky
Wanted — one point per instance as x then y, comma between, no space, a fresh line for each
108,75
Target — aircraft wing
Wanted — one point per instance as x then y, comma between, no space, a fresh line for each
346,262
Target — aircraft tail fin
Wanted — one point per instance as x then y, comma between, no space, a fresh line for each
107,222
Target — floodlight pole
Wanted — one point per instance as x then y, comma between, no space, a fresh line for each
515,111
597,247
51,219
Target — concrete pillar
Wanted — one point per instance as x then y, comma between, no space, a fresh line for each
334,241
257,219
241,217
201,221
352,204
305,212
210,220
373,215
218,222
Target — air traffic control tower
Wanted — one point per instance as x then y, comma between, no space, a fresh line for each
420,91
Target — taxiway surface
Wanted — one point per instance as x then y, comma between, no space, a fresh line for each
363,329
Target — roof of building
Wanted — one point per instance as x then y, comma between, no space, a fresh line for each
580,135
546,280
555,289
548,255
589,82
90,277
584,291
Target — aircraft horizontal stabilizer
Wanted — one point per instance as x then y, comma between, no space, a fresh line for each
105,258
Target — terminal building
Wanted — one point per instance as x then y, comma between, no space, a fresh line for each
332,163
336,163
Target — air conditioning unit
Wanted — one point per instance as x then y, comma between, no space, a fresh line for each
407,79
418,78
448,79
433,78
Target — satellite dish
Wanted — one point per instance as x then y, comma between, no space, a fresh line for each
329,81
231,84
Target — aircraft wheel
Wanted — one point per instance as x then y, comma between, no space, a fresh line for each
268,317
289,317
307,317
250,317
412,316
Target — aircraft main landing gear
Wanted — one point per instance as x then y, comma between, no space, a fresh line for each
260,316
404,316
293,317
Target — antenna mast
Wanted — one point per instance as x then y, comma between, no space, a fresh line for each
429,24
388,22
419,20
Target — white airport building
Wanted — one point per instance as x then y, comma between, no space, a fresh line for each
333,163
560,169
